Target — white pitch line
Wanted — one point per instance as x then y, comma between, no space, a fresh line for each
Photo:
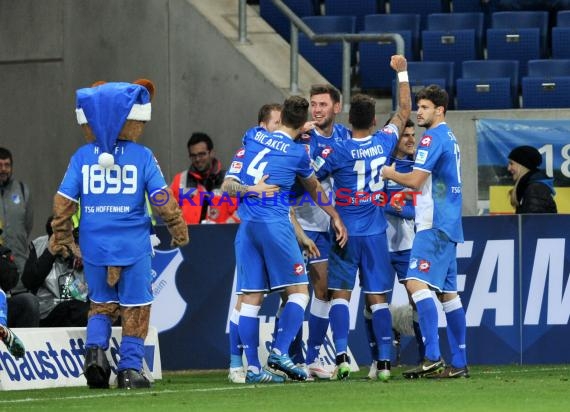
135,393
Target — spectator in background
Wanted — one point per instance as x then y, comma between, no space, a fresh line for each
58,283
8,278
534,190
197,189
17,216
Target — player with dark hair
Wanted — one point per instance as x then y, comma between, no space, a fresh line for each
268,258
325,105
355,166
433,264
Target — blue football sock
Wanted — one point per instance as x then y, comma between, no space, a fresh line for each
131,353
248,328
317,331
456,331
382,325
98,331
374,353
296,347
340,324
419,340
427,313
236,350
290,321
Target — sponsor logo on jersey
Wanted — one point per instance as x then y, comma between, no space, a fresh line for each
236,167
426,141
240,153
424,266
421,156
318,163
326,152
299,269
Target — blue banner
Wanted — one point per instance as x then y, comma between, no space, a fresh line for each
513,285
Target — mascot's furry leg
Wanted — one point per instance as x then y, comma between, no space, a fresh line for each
97,368
135,321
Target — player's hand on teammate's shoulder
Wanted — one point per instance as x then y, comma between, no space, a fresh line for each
387,171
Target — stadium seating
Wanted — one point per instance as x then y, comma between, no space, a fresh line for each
547,84
561,36
374,69
385,23
326,57
488,84
422,74
563,18
459,21
278,21
539,92
421,7
518,44
358,8
452,45
524,19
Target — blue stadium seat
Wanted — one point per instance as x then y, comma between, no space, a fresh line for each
280,23
459,21
358,8
421,7
453,45
540,92
391,23
561,42
326,57
488,84
519,44
549,68
563,18
422,74
374,63
524,19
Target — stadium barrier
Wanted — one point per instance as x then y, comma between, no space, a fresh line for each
513,280
55,356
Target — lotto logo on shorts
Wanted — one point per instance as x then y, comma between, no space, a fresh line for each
299,269
426,141
424,266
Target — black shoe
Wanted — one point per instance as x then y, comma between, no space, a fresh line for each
424,369
96,369
132,379
451,372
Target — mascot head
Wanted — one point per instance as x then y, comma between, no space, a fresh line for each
108,112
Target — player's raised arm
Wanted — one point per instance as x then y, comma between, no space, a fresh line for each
400,65
319,196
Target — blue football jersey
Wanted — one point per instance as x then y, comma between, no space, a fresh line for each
439,205
310,216
355,166
274,154
114,227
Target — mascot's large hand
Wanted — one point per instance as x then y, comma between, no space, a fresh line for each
172,216
62,242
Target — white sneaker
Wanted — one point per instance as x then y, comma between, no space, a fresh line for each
373,373
236,375
319,370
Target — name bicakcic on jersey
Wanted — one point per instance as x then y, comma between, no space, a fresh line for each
341,197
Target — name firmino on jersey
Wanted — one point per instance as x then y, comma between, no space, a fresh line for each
370,152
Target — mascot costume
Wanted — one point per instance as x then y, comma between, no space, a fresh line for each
108,178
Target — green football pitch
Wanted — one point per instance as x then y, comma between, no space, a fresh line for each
490,388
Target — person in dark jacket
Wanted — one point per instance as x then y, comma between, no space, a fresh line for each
534,190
